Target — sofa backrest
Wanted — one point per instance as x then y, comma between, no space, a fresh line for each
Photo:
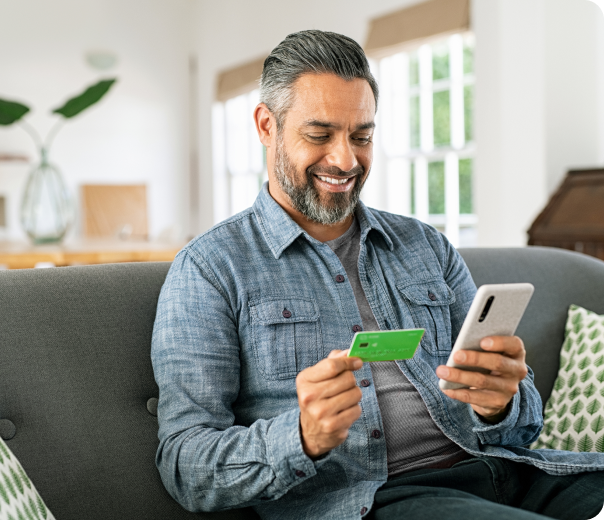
561,278
76,380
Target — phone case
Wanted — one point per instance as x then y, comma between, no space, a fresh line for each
502,318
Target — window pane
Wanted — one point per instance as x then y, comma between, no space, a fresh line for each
468,56
440,61
414,138
413,69
412,186
442,119
468,108
436,187
465,186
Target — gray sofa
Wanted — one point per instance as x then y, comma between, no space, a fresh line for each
77,394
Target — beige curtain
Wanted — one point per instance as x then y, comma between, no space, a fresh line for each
239,80
417,22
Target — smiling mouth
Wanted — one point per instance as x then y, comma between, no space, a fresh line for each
334,180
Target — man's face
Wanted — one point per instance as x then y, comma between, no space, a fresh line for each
323,152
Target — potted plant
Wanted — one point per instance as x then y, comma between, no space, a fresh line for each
47,209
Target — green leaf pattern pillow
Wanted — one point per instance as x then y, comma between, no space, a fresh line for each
19,499
574,415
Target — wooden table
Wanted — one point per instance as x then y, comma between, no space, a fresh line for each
21,255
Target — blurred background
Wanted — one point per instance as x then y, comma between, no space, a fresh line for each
486,104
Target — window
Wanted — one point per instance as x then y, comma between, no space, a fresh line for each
424,144
239,157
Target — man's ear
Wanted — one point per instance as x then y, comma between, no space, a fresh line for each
266,125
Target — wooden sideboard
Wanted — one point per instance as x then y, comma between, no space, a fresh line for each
21,255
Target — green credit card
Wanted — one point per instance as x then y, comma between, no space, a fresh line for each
386,345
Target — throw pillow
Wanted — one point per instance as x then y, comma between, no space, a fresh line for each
574,415
19,499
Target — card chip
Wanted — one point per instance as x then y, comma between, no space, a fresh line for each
363,345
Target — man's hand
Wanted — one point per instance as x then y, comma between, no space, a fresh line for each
489,394
329,398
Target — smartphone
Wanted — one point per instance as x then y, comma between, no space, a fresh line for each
496,311
385,345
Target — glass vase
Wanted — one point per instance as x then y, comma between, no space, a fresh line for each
46,210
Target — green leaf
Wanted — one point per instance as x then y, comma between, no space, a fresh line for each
580,424
574,394
548,427
88,98
600,361
559,383
585,443
593,407
551,444
597,347
582,348
594,333
3,492
563,360
11,112
600,444
586,375
17,480
9,485
561,398
591,324
597,425
572,379
571,363
576,407
568,343
580,338
600,376
564,425
585,362
562,410
589,390
568,443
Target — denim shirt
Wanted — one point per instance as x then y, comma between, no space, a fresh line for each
249,304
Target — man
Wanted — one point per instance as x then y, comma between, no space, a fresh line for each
259,405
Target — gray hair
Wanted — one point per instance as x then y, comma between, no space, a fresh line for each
315,52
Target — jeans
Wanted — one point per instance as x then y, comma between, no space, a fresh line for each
489,489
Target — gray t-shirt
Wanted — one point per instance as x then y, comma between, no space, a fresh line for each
413,441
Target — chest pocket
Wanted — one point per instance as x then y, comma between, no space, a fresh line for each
286,335
428,301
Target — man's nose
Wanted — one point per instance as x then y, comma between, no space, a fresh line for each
342,155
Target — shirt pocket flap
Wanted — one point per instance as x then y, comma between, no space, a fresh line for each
431,292
283,310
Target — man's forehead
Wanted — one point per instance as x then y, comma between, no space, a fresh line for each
329,101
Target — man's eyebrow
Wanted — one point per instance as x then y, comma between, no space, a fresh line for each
327,124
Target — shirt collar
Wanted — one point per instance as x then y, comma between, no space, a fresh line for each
280,231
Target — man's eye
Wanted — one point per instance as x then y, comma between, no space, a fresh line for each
363,140
319,137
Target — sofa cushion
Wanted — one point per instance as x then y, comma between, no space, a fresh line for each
574,418
18,496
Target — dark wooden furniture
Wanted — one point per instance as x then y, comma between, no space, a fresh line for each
574,217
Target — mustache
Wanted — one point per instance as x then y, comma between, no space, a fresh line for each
334,171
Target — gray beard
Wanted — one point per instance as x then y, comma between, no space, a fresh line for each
307,200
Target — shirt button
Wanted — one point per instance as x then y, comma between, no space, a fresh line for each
363,510
376,434
286,313
357,328
340,278
432,296
365,382
300,473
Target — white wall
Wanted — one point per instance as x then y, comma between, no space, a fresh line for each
138,133
539,95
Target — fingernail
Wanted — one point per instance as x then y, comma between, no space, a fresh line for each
442,371
357,363
486,343
460,356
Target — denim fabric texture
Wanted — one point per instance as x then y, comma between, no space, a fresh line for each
252,302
